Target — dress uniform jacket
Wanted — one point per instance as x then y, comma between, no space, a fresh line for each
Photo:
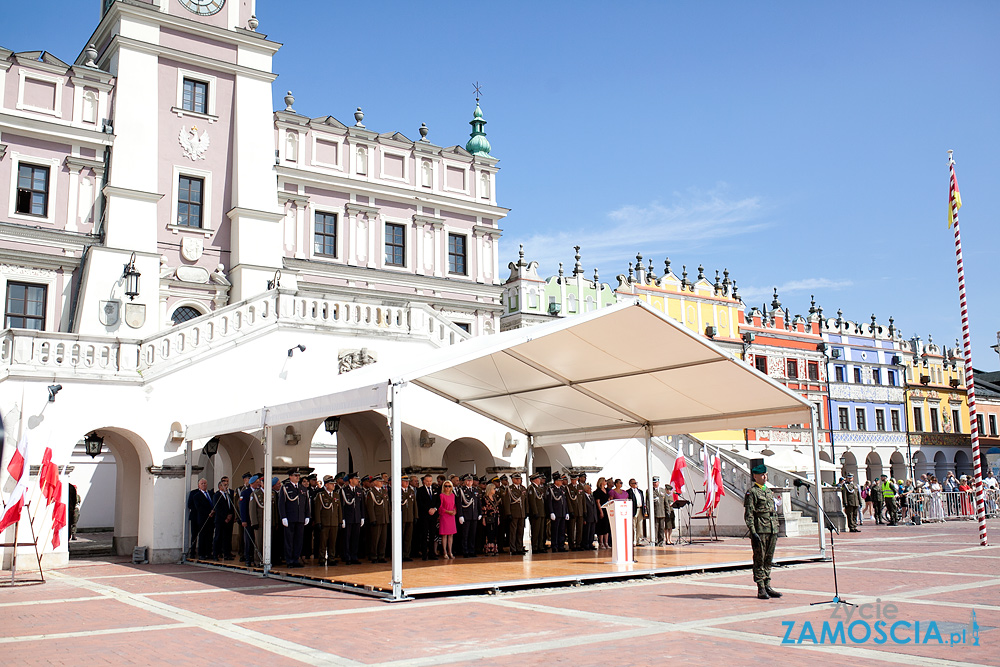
852,503
762,520
557,505
408,515
377,519
536,512
515,503
469,509
327,515
352,507
574,497
293,505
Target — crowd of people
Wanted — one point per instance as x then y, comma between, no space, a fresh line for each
894,501
346,518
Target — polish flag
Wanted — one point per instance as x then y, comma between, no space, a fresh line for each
48,478
707,463
720,489
677,477
58,514
18,464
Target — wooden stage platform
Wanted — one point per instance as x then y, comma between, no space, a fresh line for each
505,572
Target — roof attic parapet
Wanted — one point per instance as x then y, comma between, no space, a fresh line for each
779,320
843,327
643,278
522,270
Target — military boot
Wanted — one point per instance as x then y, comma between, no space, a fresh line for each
762,592
770,591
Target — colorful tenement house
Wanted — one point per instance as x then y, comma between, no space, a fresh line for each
988,417
789,350
867,398
937,405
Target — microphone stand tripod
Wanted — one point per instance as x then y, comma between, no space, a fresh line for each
679,505
833,552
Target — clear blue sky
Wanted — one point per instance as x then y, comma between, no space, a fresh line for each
801,145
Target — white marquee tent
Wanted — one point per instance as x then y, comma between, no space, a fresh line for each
609,374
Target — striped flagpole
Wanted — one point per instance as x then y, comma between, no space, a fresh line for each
955,202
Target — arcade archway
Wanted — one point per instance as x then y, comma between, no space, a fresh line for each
873,466
850,465
467,455
897,466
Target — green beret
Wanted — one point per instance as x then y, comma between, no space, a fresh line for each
759,469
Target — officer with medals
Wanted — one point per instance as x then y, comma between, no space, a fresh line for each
246,521
663,513
557,507
294,510
408,514
515,508
469,513
326,511
536,513
575,503
352,506
762,520
377,514
256,503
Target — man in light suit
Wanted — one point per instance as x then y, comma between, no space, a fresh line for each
640,511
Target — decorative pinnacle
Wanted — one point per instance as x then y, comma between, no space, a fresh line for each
90,53
649,272
359,116
577,268
718,283
873,323
701,272
775,303
520,255
630,273
289,101
560,270
479,91
596,279
253,23
684,275
812,304
736,292
666,266
638,260
423,132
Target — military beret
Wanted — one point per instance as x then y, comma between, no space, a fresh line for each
274,480
247,475
352,475
759,469
327,479
253,478
340,475
655,478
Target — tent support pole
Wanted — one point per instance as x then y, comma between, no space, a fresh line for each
529,463
818,486
185,537
266,531
650,520
396,473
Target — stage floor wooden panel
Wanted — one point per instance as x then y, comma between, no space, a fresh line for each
496,572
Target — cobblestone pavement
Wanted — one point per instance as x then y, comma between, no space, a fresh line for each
107,612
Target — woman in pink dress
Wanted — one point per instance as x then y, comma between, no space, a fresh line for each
447,519
617,493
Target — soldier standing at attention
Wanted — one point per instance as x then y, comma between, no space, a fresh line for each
762,520
377,513
557,505
352,505
537,514
661,507
408,514
257,499
514,507
293,508
574,493
469,508
326,510
852,502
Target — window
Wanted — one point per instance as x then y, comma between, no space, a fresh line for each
892,378
880,420
792,368
845,420
325,234
395,245
956,419
32,190
935,420
25,306
841,373
894,416
456,254
184,313
464,326
190,199
918,418
857,374
877,376
859,415
993,425
980,425
812,369
760,362
195,96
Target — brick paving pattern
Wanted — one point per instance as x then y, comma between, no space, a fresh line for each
116,613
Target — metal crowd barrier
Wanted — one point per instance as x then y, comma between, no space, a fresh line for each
944,505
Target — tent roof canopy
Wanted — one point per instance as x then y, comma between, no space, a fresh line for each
599,376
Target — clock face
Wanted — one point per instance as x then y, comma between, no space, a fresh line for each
203,7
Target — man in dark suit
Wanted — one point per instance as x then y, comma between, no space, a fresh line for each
640,511
589,518
294,510
428,504
352,506
224,513
200,503
246,520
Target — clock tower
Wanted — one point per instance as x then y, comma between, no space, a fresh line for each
191,186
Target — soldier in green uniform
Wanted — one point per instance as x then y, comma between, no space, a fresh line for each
408,513
852,502
515,507
377,513
328,515
762,520
536,513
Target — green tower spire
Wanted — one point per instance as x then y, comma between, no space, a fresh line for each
478,143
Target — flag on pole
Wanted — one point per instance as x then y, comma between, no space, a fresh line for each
707,461
677,476
954,197
48,478
720,490
58,514
18,464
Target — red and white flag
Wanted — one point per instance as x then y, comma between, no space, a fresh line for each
677,477
58,514
48,478
720,489
19,465
707,463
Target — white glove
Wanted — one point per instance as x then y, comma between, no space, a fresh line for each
553,516
362,522
343,524
284,522
307,522
479,518
567,518
461,519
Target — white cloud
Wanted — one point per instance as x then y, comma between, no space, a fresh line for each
694,219
752,295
